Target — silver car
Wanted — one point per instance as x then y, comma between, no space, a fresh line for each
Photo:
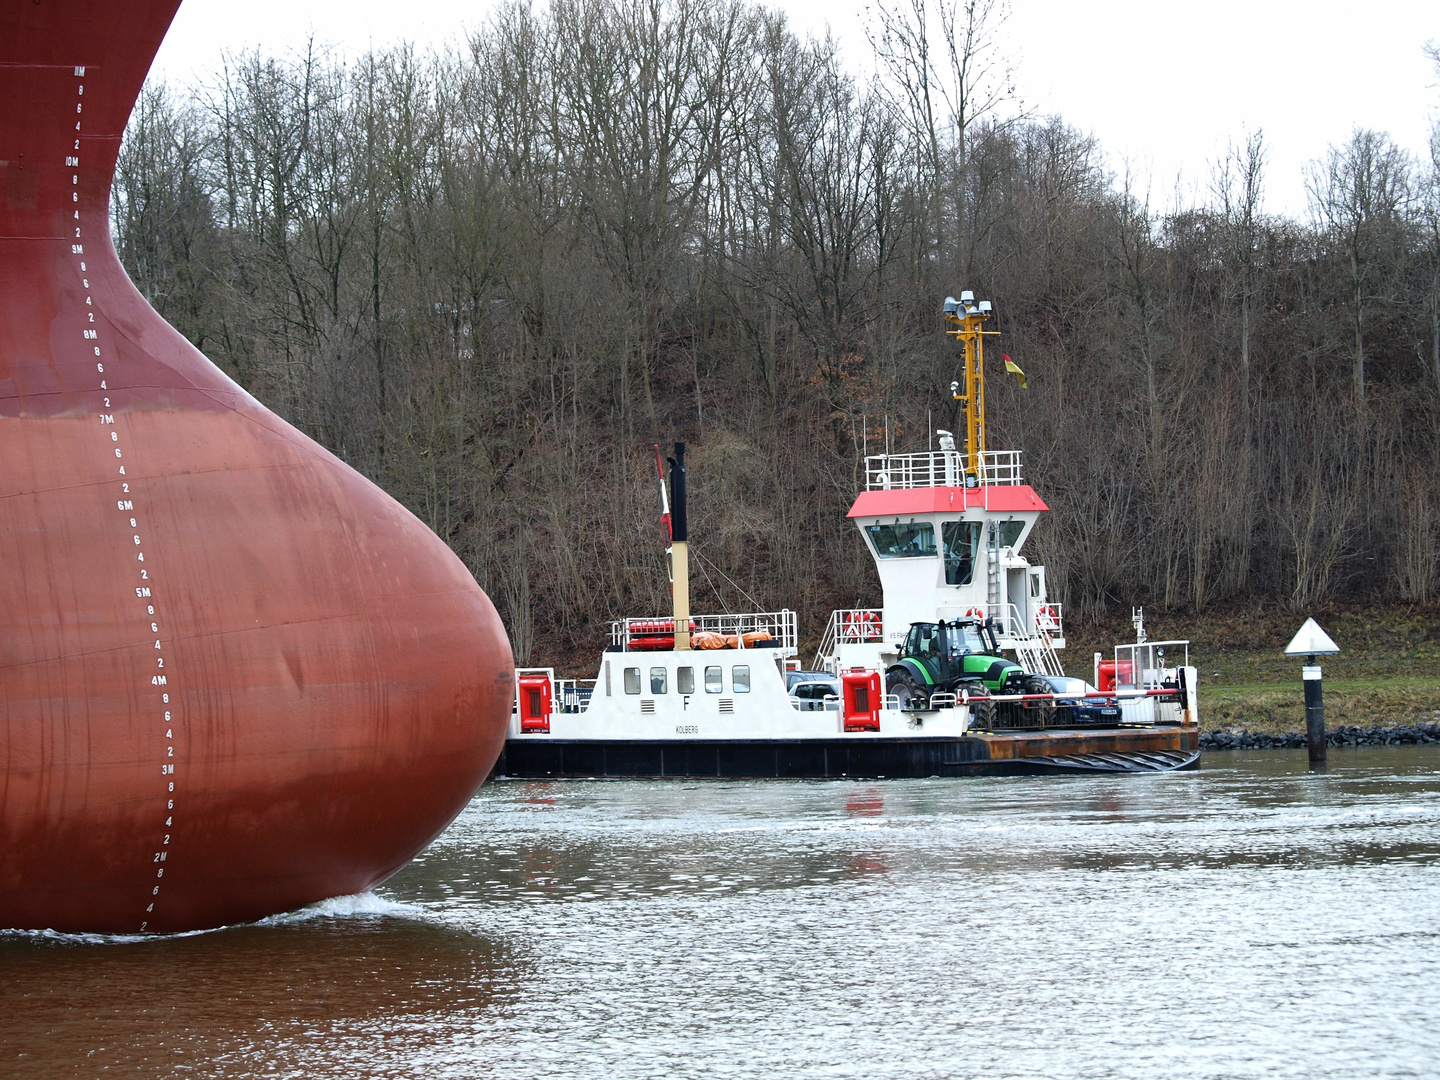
815,695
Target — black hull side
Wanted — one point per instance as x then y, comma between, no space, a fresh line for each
784,759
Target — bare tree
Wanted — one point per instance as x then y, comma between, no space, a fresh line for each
1360,192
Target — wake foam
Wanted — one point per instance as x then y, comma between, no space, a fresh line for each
364,905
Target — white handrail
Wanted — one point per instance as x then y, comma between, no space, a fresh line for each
849,626
941,468
780,625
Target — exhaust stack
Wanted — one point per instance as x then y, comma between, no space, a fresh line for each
679,549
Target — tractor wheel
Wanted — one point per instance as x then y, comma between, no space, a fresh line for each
982,714
1041,713
911,697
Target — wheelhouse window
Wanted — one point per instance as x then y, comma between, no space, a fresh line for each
962,544
632,680
740,678
714,681
685,680
657,680
1010,533
914,540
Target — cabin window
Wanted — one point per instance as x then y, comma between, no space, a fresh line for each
740,678
685,680
607,678
657,680
962,543
632,680
915,540
714,682
1010,532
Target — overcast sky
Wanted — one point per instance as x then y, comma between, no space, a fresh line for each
1163,86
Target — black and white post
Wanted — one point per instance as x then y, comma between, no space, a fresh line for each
1311,642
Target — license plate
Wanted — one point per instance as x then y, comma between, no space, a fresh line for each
1109,712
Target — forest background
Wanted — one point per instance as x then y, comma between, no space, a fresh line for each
492,278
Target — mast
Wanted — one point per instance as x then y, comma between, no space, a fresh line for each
680,550
968,317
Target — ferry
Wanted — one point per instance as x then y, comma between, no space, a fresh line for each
957,673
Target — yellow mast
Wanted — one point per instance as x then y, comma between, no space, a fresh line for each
967,317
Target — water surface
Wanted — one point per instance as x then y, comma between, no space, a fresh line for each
1249,918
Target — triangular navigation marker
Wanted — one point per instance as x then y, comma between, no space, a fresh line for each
1311,641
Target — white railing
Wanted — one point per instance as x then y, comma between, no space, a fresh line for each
1049,621
573,695
941,468
1149,664
826,704
780,625
849,626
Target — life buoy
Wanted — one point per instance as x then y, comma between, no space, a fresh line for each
861,626
1046,617
975,613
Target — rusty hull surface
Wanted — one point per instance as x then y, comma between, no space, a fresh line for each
235,675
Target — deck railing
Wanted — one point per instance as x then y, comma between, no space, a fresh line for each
573,695
1049,620
849,626
780,625
941,468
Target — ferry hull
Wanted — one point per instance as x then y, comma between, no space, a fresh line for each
978,754
235,676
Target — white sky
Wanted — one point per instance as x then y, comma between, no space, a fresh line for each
1163,86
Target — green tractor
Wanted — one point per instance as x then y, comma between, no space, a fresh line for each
962,657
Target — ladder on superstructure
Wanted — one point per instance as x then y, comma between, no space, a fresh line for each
1038,654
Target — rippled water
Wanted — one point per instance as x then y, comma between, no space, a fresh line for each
1249,918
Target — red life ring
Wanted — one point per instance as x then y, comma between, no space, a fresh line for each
975,613
861,626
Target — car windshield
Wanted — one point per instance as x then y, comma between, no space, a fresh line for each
816,690
1064,685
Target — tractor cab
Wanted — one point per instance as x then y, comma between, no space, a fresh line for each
930,640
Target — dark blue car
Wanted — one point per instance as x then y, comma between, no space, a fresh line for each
1079,709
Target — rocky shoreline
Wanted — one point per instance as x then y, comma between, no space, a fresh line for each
1341,736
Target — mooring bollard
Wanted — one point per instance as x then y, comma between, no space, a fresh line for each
1311,642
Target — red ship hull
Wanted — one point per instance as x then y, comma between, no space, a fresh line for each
236,677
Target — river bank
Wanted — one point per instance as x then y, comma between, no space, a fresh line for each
1345,735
